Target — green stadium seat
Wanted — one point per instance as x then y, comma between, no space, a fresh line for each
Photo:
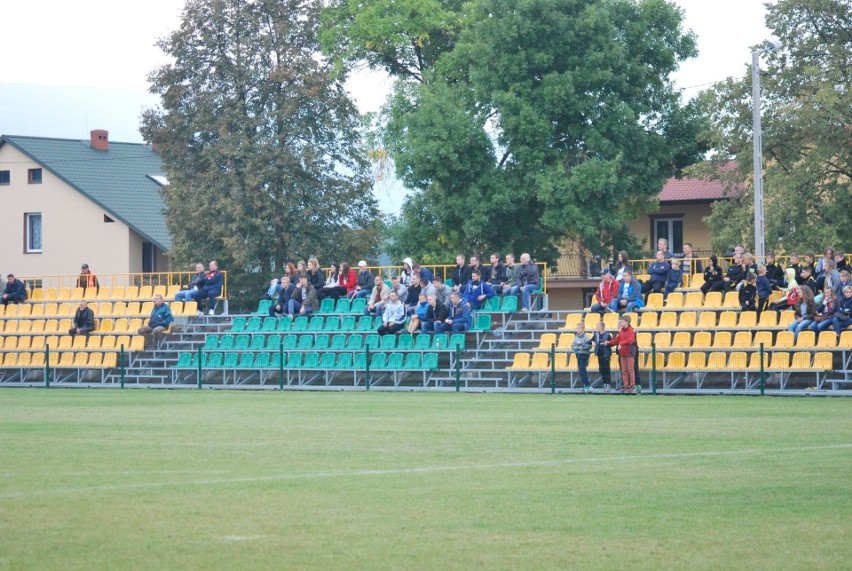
491,304
483,322
238,325
211,343
326,306
441,341
276,361
269,324
359,362
306,342
355,342
388,342
412,362
311,361
226,342
273,342
342,306
258,343
253,324
510,304
358,305
231,361
261,361
423,342
373,341
214,361
365,323
344,361
395,361
405,342
294,361
332,323
321,342
338,342
328,361
348,323
285,324
263,307
184,361
300,324
290,342
317,324
242,342
378,361
430,361
457,341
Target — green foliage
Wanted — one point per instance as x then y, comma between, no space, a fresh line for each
531,121
261,145
807,133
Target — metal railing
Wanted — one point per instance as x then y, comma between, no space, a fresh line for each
70,281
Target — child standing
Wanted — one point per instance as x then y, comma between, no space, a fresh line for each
764,289
582,346
626,341
603,353
748,294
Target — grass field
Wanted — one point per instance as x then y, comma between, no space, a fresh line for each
95,479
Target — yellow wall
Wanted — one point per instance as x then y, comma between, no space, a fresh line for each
694,229
73,227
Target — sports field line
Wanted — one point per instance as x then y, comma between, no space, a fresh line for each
415,470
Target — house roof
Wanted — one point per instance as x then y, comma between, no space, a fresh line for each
121,180
698,190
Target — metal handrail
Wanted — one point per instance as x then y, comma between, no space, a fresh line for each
136,279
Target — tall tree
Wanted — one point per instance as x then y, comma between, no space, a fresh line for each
807,132
261,144
539,120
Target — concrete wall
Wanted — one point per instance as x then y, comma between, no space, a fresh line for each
73,227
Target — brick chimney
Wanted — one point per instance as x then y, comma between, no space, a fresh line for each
100,139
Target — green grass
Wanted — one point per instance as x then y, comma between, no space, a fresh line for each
231,480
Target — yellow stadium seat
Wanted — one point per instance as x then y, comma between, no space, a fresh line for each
66,310
801,361
64,294
785,319
561,361
732,300
702,340
572,363
51,326
117,293
105,326
122,341
610,321
96,360
25,360
707,320
190,308
137,343
110,361
827,340
12,327
677,361
737,361
674,300
79,342
806,340
160,290
697,361
176,307
105,293
24,343
108,343
784,340
147,308
50,309
713,300
661,361
717,361
693,300
521,362
654,301
748,320
754,361
742,339
688,320
663,340
37,343
615,363
696,281
65,342
727,320
565,340
10,360
649,320
131,292
52,341
593,363
67,360
133,325
591,320
722,340
172,291
77,293
104,308
780,361
764,338
12,310
37,325
571,321
64,325
49,294
37,294
24,325
24,309
145,292
37,310
133,309
682,340
768,320
845,340
81,360
668,320
546,341
121,325
823,361
775,296
540,362
643,339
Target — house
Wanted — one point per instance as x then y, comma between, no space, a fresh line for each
67,202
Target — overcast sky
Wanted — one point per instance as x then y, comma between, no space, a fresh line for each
70,67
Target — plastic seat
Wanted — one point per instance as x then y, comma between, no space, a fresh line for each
358,305
306,342
326,306
591,320
134,308
214,360
284,324
269,324
801,361
737,361
674,300
654,301
662,340
359,362
290,342
457,341
682,340
24,309
37,342
79,342
81,360
317,324
780,361
806,340
644,339
321,342
748,320
713,300
697,361
707,320
67,360
412,362
344,361
571,321
258,343
717,361
677,361
273,343
520,362
241,342
694,299
845,341
365,323
332,323
668,320
610,321
754,361
263,307
356,342
784,340
348,323
823,361
51,310
300,324
294,361
190,308
424,342
373,341
211,343
688,320
764,338
342,305
722,340
246,361
405,342
785,318
328,361
732,300
338,342
441,341
253,325
37,310
64,293
742,339
509,304
24,343
483,322
430,361
727,320
378,361
702,340
546,341
117,293
144,292
827,340
540,362
768,320
238,325
648,320
50,293
395,361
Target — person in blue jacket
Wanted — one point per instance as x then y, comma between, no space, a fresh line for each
458,320
477,291
15,291
212,287
161,318
659,274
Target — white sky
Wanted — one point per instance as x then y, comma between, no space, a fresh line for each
70,67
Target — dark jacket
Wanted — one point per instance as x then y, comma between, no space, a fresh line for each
527,274
843,311
775,275
84,318
460,313
316,279
602,350
438,313
310,299
213,285
285,296
366,280
161,316
735,274
675,279
659,271
747,296
461,275
426,275
16,291
198,280
764,287
496,274
712,274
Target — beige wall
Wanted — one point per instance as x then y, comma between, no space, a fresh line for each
73,227
694,229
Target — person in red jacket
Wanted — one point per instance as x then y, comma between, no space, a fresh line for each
626,341
606,296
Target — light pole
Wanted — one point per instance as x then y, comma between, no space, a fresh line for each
759,231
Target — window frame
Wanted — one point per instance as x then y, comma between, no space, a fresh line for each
670,219
31,176
8,180
28,216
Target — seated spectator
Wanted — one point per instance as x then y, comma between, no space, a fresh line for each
733,277
426,286
15,291
442,291
475,264
496,274
791,294
528,280
397,286
87,279
212,287
510,284
748,267
365,281
315,277
332,280
282,303
843,313
418,312
406,272
845,280
461,273
273,290
622,263
840,263
659,274
426,275
2,286
412,296
805,312
378,297
189,292
830,279
774,273
161,317
806,278
748,294
292,272
764,289
824,316
606,295
629,294
795,264
304,298
436,313
393,315
712,275
819,268
689,263
675,278
663,245
477,291
84,320
458,316
346,282
810,261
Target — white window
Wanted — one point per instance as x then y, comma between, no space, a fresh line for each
32,231
672,230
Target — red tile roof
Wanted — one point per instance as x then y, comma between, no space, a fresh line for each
695,190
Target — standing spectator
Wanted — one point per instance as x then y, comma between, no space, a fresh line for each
510,283
15,291
675,278
315,274
304,298
393,315
461,273
477,291
190,292
622,264
626,341
283,301
825,311
212,287
663,245
87,279
161,317
458,316
606,296
442,291
418,313
712,275
659,274
2,286
365,281
603,353
764,289
436,313
378,297
774,273
629,294
84,320
690,264
805,312
528,280
748,294
496,274
582,346
843,312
